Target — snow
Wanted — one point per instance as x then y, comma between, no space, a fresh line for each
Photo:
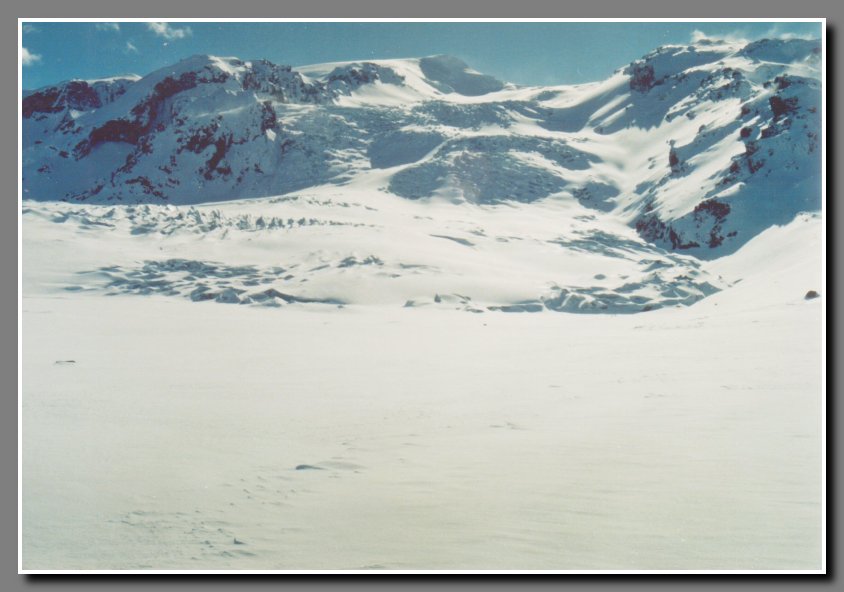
112,79
682,438
604,144
447,441
419,321
497,255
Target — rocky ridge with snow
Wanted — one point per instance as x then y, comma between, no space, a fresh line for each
423,182
699,147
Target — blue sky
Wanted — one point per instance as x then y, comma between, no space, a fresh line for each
539,53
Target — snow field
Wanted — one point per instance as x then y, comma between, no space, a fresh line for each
163,433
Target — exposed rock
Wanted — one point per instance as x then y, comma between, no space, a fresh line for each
674,160
780,106
642,77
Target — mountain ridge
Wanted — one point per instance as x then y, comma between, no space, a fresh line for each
699,147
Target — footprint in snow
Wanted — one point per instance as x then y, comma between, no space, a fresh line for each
308,468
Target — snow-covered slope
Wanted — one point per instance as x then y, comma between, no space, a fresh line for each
275,318
339,247
179,430
698,147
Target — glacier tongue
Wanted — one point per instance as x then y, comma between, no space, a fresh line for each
354,247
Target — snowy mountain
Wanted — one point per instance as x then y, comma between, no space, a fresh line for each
423,182
699,147
275,318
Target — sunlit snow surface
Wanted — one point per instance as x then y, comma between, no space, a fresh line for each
369,248
399,315
163,430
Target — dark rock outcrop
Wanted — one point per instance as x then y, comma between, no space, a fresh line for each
642,77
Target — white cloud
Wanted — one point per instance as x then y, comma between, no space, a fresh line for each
804,36
734,36
28,58
130,48
27,28
698,35
108,27
168,32
776,32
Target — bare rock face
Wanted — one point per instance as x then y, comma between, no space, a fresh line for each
78,95
674,160
642,78
345,79
282,84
